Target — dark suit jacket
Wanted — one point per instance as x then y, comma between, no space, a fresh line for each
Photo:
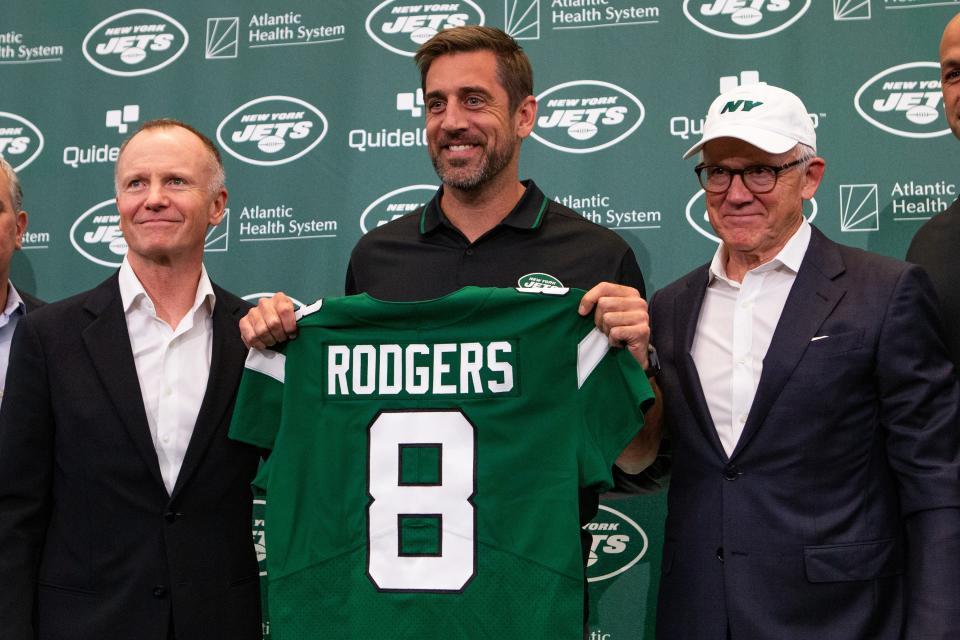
93,547
837,517
31,303
936,248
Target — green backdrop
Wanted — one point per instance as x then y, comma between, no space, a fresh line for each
315,105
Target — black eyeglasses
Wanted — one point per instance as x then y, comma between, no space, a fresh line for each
759,178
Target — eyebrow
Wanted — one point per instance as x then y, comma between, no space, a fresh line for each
460,91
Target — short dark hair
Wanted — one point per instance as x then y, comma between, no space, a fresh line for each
219,176
513,67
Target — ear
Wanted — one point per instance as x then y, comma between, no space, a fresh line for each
217,208
21,227
526,116
813,177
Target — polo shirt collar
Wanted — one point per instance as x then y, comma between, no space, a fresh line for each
527,214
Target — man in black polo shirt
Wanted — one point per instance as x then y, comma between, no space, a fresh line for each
485,227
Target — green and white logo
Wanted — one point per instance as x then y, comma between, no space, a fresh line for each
259,537
96,235
272,130
538,281
584,116
20,140
395,204
744,106
904,100
744,19
618,544
401,27
135,42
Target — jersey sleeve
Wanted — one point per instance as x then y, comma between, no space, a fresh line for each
259,406
612,393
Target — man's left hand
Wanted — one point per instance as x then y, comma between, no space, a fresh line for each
621,314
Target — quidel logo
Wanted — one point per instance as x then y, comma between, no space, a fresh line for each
700,221
272,130
20,140
135,42
401,27
96,234
618,544
904,100
584,116
744,19
394,204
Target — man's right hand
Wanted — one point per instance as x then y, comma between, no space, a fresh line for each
270,322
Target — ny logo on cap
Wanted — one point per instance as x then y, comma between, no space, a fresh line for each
740,105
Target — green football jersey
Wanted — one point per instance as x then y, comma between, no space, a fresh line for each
425,461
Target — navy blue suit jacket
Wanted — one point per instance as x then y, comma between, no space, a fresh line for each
93,546
837,516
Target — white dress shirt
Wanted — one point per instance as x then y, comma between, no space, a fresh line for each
9,318
736,324
173,365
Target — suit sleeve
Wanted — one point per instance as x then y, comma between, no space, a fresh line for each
919,412
27,432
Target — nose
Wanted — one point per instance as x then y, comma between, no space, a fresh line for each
738,191
156,196
453,117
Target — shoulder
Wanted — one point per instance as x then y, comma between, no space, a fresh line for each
231,302
695,278
938,237
404,229
76,306
559,215
32,302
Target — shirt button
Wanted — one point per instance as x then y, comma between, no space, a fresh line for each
743,419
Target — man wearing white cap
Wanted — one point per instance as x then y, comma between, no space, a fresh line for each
812,408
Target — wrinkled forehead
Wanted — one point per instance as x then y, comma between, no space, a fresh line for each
734,150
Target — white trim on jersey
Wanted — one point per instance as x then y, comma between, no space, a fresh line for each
269,363
590,352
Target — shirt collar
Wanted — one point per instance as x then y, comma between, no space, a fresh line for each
527,214
790,256
132,291
15,304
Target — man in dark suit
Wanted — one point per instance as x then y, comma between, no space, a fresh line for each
13,222
935,246
812,410
125,511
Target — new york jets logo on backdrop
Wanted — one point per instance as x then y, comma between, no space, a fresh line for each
698,219
744,19
96,234
135,42
904,100
272,130
401,26
20,140
618,544
395,204
583,116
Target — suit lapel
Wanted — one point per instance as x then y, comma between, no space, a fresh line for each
226,366
812,298
687,310
108,345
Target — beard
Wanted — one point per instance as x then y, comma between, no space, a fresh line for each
458,174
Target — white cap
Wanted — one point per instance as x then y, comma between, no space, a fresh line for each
768,117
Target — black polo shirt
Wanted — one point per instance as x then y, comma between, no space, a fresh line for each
422,256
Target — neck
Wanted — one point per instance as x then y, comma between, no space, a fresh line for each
171,285
476,212
738,263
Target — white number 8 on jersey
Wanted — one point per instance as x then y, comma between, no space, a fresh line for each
421,522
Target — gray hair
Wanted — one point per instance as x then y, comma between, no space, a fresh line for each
13,183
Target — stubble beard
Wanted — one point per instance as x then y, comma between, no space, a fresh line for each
454,175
